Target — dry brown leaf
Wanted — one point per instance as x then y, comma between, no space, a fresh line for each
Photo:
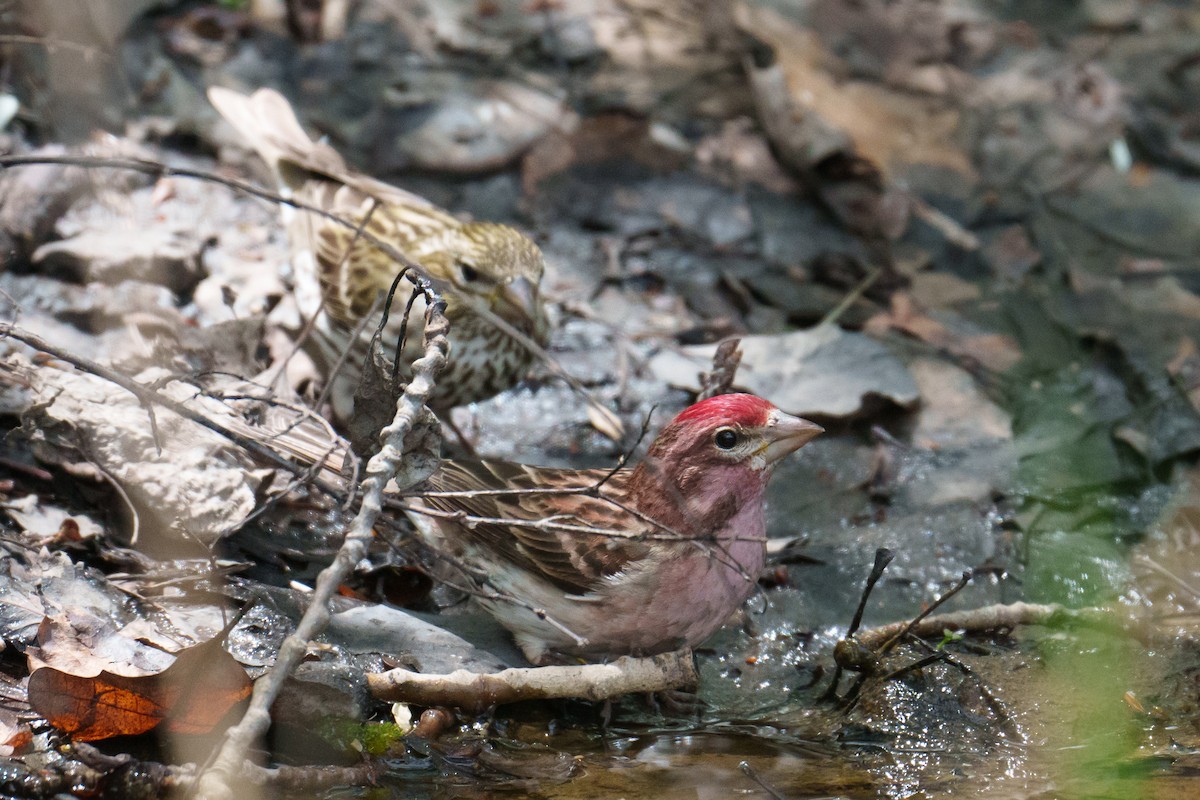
954,411
190,696
942,289
739,154
890,129
605,137
996,352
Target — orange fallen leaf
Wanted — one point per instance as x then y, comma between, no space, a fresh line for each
14,734
190,696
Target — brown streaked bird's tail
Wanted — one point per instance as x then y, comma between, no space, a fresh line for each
267,122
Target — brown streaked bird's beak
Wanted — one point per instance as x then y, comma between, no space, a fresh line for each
521,295
787,434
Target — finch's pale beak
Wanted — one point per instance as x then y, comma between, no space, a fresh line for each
520,297
787,434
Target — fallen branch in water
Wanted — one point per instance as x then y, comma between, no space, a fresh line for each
1001,615
477,692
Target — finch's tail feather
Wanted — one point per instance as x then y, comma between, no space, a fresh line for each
267,122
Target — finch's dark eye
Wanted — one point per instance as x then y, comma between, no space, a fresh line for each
726,439
469,273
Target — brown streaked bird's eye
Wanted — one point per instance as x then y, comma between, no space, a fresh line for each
469,273
726,438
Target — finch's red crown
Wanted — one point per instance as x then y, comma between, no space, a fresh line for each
743,410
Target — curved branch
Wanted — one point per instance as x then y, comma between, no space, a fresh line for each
216,783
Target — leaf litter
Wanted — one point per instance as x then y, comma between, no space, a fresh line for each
1023,409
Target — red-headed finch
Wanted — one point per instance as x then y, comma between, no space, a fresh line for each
652,559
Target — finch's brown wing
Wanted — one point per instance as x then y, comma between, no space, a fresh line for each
568,554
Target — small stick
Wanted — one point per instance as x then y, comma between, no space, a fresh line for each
883,557
726,361
958,587
753,775
228,764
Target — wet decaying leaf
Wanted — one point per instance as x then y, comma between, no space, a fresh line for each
85,419
86,642
823,372
992,351
190,696
32,201
49,522
15,731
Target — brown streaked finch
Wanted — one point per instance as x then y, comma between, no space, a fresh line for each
596,563
341,276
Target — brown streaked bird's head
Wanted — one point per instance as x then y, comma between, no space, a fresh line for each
493,265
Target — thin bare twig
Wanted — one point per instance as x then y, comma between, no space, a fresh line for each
1154,566
540,353
958,587
168,779
557,524
753,775
883,557
851,297
480,582
1004,615
595,488
344,356
217,781
135,518
402,339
